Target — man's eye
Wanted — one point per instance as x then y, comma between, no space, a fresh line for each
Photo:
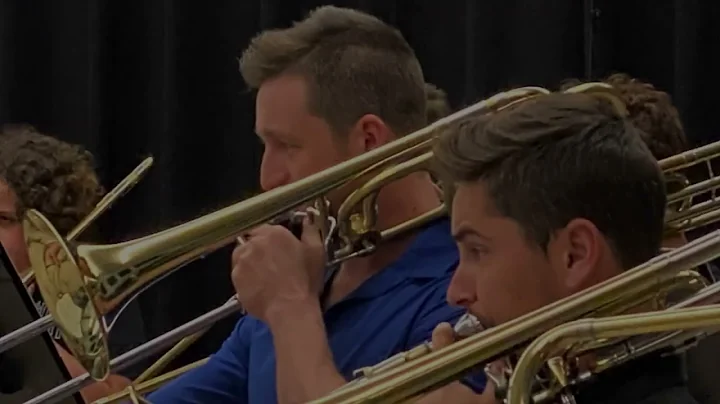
8,220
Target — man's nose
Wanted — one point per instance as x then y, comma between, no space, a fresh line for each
461,290
272,174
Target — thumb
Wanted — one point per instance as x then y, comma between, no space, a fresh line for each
442,336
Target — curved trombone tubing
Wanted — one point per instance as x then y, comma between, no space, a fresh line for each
443,366
122,188
85,282
630,349
41,325
551,343
610,352
685,217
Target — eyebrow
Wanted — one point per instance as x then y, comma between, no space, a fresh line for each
464,232
269,133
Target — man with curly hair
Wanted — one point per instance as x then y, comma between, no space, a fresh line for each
59,180
652,111
437,103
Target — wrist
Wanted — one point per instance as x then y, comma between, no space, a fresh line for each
282,312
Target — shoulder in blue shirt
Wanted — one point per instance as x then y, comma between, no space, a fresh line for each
391,312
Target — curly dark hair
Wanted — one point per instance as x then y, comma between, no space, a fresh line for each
49,175
650,110
437,103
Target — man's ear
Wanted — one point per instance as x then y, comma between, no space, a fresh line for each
368,133
581,249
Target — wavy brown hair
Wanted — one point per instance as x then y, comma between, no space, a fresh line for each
650,110
49,175
354,63
437,103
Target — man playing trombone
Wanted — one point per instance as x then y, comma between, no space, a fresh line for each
553,196
333,86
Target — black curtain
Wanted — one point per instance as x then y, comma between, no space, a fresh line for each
158,77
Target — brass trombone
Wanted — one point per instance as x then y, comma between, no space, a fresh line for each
94,279
443,366
689,215
37,327
85,282
82,283
669,330
692,218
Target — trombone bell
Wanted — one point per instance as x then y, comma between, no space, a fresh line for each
69,301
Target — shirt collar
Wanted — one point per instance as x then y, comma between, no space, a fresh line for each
432,255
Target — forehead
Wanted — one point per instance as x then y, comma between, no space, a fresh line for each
470,202
473,212
281,112
281,99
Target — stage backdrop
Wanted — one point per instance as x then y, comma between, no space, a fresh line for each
159,77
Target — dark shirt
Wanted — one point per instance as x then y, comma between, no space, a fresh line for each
650,380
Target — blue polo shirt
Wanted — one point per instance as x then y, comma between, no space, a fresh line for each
393,311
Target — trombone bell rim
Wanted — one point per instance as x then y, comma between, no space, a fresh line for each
68,299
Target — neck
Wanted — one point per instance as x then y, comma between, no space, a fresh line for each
397,203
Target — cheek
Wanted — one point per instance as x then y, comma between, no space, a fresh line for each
516,285
311,159
13,241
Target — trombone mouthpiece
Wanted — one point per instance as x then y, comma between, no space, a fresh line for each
467,325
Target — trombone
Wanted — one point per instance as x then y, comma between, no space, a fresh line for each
689,215
122,188
680,325
443,366
692,218
85,282
134,265
43,324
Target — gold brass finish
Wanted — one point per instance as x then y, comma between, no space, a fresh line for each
24,333
112,273
551,344
686,215
122,188
90,280
150,385
437,368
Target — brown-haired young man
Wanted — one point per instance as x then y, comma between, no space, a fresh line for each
58,179
552,197
329,88
652,111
